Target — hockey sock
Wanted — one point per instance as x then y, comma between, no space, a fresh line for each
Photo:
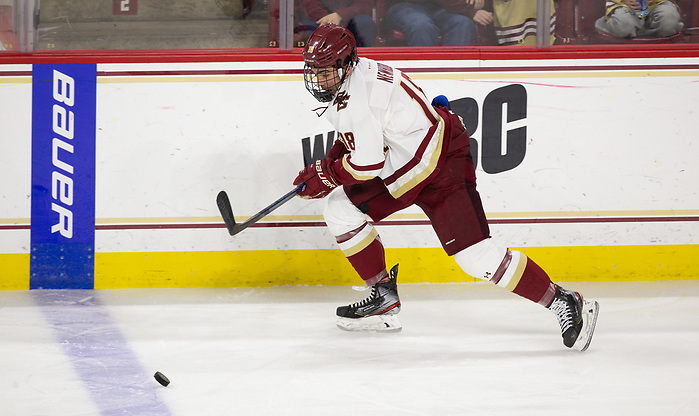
510,269
364,250
522,276
535,284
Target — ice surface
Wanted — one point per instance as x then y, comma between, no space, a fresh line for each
465,349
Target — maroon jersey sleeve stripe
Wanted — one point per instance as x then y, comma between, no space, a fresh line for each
360,168
415,159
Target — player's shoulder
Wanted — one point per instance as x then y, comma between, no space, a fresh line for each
377,80
377,71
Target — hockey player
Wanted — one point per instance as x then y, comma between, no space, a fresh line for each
394,150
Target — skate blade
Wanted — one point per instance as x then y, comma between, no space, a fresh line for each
590,312
376,323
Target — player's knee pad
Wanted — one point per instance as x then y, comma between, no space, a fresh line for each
482,259
341,216
488,261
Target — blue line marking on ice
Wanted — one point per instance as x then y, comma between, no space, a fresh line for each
100,354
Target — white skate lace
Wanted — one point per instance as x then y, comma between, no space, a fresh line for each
565,318
366,300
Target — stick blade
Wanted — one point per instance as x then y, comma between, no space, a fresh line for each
224,207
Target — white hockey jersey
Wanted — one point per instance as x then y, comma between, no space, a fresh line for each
389,127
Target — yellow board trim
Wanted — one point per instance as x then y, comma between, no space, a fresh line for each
14,271
424,265
330,267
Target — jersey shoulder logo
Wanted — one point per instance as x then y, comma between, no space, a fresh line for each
341,100
384,73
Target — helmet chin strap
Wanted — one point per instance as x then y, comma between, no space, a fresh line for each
315,110
344,73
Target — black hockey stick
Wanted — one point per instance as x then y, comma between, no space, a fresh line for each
224,206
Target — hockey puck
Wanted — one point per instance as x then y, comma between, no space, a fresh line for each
160,377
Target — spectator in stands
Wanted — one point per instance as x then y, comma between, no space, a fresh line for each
515,21
353,14
628,19
425,21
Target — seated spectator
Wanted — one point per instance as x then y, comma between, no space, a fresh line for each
515,21
353,14
625,19
425,21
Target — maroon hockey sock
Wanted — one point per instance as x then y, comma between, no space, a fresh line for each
370,263
535,285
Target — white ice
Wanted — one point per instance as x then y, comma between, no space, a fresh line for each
465,349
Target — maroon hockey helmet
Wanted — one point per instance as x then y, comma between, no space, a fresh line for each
329,46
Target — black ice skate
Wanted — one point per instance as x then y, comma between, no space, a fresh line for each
576,316
377,312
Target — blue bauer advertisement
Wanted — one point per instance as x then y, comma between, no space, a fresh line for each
63,176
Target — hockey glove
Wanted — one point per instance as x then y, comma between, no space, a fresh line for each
318,179
337,151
